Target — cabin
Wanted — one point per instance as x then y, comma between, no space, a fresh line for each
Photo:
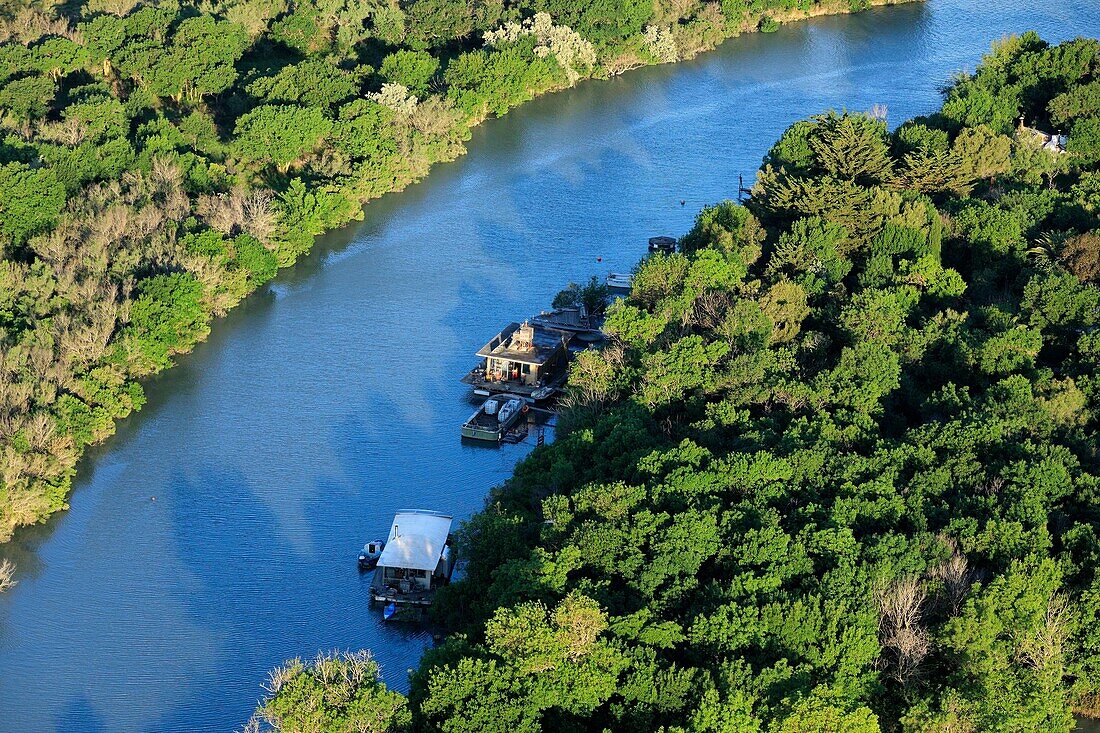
574,320
521,358
416,560
1051,142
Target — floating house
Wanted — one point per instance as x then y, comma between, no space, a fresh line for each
522,359
663,244
417,559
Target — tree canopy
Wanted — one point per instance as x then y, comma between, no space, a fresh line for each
214,140
836,468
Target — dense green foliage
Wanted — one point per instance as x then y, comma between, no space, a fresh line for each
334,692
838,467
159,161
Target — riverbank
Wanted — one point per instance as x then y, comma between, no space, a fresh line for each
812,482
66,392
276,448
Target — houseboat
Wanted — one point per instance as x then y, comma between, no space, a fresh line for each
495,417
667,245
416,561
575,321
520,360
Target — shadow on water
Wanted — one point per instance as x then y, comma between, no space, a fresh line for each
330,400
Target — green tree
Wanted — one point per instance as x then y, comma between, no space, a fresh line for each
334,692
200,60
1084,140
166,318
31,200
983,152
280,134
311,83
412,69
29,98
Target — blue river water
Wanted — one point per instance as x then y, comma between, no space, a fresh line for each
215,535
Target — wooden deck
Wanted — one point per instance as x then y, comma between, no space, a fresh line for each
389,594
486,387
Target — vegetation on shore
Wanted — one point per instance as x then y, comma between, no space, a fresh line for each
838,468
161,160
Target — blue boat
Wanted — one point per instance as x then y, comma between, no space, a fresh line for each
370,553
389,611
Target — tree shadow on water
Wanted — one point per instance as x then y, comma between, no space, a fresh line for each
79,715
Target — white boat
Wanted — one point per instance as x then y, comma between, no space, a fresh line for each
619,281
543,393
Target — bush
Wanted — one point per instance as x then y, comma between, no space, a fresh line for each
166,318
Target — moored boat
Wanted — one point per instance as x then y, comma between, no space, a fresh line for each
494,418
417,560
619,281
368,556
665,245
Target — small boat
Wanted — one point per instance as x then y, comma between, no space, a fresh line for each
368,556
543,393
389,611
619,281
495,416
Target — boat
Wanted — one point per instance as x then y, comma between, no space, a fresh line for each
568,320
417,560
495,417
666,245
543,393
368,556
619,281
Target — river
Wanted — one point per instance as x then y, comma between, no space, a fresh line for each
215,535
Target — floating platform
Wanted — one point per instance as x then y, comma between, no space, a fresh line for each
417,559
381,593
532,392
495,417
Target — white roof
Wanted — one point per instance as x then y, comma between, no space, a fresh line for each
416,541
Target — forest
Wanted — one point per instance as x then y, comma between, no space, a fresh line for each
836,470
161,160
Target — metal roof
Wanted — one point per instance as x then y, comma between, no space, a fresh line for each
546,342
416,541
